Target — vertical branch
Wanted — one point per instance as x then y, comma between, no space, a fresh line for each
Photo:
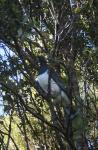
95,4
21,115
9,132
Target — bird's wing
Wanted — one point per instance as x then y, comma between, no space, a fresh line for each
58,80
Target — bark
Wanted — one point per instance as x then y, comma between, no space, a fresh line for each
95,3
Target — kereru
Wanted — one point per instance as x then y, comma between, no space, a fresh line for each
51,83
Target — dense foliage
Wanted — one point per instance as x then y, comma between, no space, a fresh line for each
65,33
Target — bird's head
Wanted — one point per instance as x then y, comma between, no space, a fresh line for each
42,64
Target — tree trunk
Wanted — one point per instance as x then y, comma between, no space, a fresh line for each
95,3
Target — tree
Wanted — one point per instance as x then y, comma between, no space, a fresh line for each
65,33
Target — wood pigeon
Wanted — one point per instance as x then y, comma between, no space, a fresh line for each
51,84
49,81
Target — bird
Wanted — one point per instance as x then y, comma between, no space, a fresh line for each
51,83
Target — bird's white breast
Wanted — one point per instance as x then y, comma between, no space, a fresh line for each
55,90
43,80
